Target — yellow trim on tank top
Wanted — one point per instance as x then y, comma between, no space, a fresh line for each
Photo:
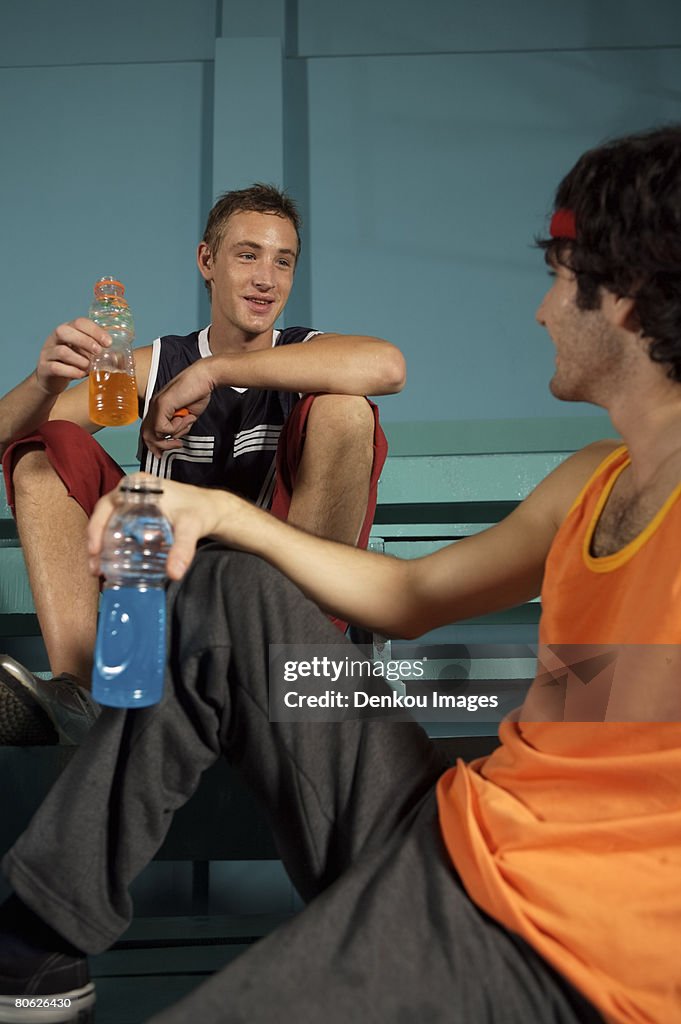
596,473
608,563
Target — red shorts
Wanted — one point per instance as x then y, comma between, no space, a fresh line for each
82,465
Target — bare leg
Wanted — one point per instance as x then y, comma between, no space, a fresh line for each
332,485
51,527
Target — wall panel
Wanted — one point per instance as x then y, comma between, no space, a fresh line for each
327,28
429,177
103,174
43,32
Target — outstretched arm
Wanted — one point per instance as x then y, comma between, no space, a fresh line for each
497,568
45,394
342,364
64,357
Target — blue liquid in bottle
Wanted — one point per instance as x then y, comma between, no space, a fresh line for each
130,651
130,654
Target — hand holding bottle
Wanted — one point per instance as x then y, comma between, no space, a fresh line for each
67,354
193,513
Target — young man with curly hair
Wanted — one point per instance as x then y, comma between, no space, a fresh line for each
539,883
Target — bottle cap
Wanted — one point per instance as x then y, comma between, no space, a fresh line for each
109,287
140,484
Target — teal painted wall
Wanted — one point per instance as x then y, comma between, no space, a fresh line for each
423,142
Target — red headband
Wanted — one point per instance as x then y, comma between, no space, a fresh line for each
563,225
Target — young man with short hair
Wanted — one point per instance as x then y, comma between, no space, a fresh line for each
251,393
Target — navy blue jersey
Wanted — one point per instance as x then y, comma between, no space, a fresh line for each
233,443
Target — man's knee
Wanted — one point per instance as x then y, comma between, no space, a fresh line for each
349,418
30,468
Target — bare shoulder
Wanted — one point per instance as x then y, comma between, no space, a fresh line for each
576,470
558,491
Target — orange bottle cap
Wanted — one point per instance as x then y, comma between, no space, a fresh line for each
109,287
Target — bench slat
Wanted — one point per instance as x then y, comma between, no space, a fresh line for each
428,479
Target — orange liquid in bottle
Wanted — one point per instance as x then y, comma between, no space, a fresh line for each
113,398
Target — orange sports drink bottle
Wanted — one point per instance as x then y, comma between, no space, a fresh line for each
113,388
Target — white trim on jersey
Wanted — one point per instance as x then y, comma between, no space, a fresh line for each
204,343
168,458
199,442
263,437
153,374
192,449
151,464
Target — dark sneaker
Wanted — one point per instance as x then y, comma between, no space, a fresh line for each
42,711
23,723
55,989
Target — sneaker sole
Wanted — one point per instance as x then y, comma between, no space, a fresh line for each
81,1008
22,721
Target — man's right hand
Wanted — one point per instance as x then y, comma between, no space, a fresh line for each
67,353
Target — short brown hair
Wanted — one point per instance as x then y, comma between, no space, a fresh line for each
258,198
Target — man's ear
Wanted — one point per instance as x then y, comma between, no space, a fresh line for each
204,261
621,311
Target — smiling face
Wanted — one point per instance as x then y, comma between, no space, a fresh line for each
250,275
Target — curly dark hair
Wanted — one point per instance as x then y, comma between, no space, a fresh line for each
626,199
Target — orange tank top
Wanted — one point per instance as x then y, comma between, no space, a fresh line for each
569,834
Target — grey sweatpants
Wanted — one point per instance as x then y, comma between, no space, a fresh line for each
388,933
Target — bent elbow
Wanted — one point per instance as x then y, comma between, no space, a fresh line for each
395,371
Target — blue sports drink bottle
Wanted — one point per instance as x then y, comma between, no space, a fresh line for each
130,652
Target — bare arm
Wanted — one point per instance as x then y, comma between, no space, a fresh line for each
337,363
46,395
495,569
344,364
64,357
